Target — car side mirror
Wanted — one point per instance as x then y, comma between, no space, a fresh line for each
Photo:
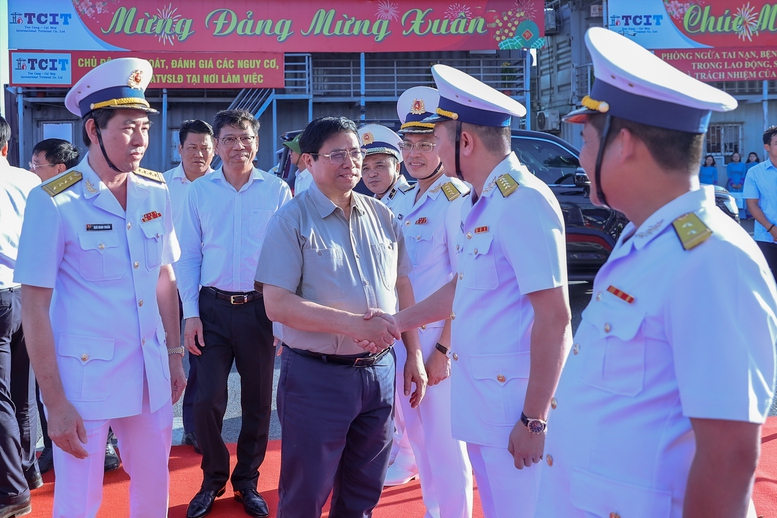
581,178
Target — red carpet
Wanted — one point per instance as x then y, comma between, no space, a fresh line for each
186,477
403,501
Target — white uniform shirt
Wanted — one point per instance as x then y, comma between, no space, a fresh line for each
302,181
397,192
508,247
424,226
761,184
15,186
678,339
177,186
223,232
103,265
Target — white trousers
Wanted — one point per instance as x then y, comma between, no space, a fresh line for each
443,466
144,442
505,492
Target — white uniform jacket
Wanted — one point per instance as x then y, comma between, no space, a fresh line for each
511,243
103,265
669,335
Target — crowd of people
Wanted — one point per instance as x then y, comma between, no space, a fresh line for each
423,331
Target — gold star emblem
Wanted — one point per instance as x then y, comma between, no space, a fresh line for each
418,107
368,138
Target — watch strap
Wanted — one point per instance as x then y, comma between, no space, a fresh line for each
535,426
176,350
440,347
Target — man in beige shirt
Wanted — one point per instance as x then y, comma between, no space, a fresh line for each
335,254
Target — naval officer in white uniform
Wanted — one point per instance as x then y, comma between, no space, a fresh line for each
659,409
443,465
100,302
511,318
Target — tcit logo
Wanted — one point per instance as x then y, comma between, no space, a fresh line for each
48,64
40,18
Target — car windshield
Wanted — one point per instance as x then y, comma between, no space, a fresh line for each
547,160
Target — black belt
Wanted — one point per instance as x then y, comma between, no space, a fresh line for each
234,298
351,361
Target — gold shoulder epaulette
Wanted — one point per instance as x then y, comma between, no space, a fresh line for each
61,183
506,184
691,230
405,188
451,191
151,175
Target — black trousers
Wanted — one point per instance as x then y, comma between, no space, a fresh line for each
770,253
18,409
242,333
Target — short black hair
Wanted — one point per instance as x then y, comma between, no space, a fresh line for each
58,151
101,117
768,134
236,119
196,126
5,132
321,129
709,156
671,149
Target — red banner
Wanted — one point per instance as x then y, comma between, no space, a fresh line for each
276,25
724,64
171,69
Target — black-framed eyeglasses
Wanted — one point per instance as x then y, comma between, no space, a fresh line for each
246,140
338,157
421,147
35,167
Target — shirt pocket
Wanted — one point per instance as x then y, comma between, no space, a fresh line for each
154,232
100,258
613,344
84,366
501,385
257,222
420,245
479,263
324,275
385,254
603,496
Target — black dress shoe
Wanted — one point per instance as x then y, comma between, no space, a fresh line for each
18,509
191,439
202,503
112,459
253,502
46,460
34,480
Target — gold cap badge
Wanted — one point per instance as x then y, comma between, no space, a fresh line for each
135,79
368,138
418,107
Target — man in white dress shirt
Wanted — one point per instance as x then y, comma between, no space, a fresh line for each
18,412
659,408
222,236
100,312
196,149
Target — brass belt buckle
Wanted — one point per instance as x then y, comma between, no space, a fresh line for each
238,299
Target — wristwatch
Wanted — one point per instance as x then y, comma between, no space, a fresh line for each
176,350
535,426
440,347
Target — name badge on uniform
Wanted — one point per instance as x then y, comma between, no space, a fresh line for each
150,215
98,226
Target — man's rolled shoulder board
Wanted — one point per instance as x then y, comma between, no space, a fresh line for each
62,183
506,184
405,188
151,175
691,230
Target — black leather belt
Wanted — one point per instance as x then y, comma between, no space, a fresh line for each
351,361
234,298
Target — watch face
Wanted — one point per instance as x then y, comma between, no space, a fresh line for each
536,426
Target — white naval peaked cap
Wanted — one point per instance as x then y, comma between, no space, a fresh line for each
634,84
414,105
375,138
118,84
465,99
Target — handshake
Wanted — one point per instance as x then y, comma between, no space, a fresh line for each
377,331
